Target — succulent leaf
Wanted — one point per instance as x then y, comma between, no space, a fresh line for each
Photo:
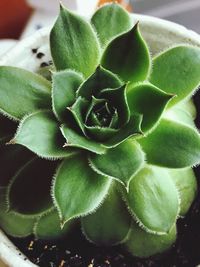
177,71
142,244
189,107
153,200
110,224
149,101
40,133
25,92
12,223
101,133
186,184
131,129
12,158
98,81
179,114
48,226
77,189
76,140
109,21
118,97
29,190
120,163
178,144
128,56
78,47
78,111
65,85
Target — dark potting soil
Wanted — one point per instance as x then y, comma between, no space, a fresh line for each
77,252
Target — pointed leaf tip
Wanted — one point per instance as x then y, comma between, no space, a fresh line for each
73,33
128,56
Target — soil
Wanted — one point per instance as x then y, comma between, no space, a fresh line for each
79,253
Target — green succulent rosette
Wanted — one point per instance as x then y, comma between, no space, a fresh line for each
108,140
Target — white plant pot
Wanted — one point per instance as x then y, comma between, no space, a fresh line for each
159,34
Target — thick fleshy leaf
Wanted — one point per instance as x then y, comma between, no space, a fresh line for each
74,139
120,163
142,244
48,226
22,92
101,134
98,81
78,111
110,21
110,224
74,44
128,56
189,107
117,98
12,158
29,190
172,145
186,184
177,71
149,101
12,223
132,128
153,199
40,133
91,115
180,115
77,189
7,129
65,84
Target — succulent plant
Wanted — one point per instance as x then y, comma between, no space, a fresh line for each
108,140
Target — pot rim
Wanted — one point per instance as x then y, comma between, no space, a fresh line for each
171,33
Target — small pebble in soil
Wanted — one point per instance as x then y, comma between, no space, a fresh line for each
34,50
44,64
40,55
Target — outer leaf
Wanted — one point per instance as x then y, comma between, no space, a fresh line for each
74,44
74,139
189,107
142,244
65,84
22,92
128,56
172,145
48,226
186,184
29,190
132,128
40,133
120,163
98,81
177,71
77,189
153,200
180,115
110,224
12,223
149,101
118,18
12,158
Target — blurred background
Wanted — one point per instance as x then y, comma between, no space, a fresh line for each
20,18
